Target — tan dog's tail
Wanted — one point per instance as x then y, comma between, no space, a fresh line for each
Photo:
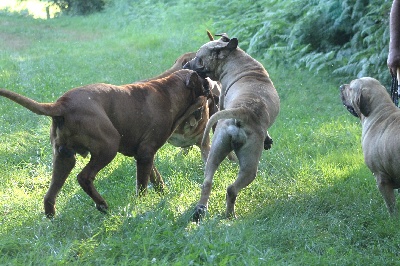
48,109
240,114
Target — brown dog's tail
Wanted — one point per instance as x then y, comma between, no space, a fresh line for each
240,113
48,109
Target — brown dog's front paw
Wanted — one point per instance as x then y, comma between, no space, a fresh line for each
102,207
49,208
268,143
199,213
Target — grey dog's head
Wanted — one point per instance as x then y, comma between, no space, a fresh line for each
362,96
210,56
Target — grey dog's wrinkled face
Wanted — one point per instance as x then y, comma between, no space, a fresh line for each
208,57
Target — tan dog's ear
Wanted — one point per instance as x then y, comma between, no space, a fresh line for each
229,46
233,44
194,82
360,100
210,35
224,37
364,103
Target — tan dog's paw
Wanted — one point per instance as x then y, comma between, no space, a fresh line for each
268,143
199,213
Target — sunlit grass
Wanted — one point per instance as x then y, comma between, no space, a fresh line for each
313,201
34,8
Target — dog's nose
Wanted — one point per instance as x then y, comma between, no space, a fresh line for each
342,87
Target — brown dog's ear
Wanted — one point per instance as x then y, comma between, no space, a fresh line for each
194,82
210,35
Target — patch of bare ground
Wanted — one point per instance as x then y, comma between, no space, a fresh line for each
16,40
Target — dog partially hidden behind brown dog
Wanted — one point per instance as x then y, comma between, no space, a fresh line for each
104,119
368,100
190,132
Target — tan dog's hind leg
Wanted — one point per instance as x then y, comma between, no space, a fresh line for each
387,191
220,148
205,149
249,157
62,166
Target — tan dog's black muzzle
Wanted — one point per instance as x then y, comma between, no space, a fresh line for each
195,65
349,107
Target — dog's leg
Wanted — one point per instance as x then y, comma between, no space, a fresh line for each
144,167
220,148
205,149
63,162
386,188
248,157
268,142
156,180
86,177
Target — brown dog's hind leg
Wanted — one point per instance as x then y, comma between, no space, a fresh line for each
156,180
89,172
63,162
144,168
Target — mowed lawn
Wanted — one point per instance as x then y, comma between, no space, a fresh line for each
314,202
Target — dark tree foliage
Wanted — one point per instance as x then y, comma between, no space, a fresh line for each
348,37
79,7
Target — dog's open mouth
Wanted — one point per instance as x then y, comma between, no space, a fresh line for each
351,110
348,106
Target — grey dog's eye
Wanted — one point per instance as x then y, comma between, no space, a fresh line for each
200,62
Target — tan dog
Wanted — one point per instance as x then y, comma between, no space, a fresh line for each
103,119
190,131
250,104
368,100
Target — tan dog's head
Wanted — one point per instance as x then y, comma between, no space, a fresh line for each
211,55
362,96
182,60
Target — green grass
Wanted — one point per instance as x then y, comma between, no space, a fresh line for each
314,202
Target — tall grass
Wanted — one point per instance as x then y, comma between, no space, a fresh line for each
313,202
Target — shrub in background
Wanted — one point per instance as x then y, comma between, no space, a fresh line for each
79,7
347,37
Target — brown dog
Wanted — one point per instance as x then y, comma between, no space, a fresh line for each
103,119
250,105
368,100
